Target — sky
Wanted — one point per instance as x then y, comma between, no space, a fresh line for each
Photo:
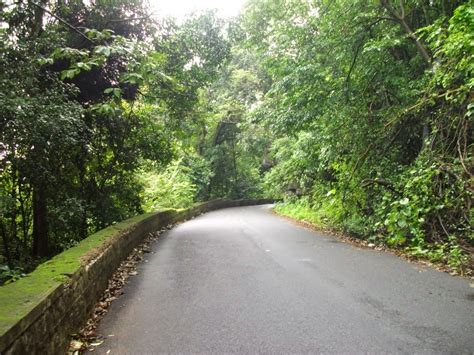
179,8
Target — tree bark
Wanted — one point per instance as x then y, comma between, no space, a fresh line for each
40,224
6,246
37,26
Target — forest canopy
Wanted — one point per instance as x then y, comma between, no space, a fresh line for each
356,114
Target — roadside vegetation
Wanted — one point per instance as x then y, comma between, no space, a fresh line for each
372,107
357,114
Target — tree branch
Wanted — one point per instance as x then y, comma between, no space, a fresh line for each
400,18
354,60
75,29
402,9
128,19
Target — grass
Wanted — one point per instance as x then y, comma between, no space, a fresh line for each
302,212
446,257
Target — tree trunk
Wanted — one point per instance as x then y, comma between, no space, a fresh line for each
80,162
6,246
38,12
40,223
400,18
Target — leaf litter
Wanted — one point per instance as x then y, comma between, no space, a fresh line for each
87,338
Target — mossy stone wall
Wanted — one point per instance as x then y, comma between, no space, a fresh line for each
39,312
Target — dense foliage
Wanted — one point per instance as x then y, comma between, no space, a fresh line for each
95,97
371,104
357,113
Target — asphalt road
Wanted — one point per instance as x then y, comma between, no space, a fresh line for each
243,280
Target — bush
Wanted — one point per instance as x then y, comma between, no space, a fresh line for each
171,188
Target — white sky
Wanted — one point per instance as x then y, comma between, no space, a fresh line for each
180,8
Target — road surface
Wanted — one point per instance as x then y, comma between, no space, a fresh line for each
243,280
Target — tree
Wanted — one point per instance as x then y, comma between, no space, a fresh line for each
360,83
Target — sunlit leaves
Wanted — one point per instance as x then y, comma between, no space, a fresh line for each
350,75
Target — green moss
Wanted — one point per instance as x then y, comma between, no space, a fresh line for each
19,298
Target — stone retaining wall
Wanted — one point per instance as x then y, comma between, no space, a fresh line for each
39,312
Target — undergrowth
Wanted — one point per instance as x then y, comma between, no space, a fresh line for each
448,253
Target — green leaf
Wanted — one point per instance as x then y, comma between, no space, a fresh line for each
102,50
404,201
69,74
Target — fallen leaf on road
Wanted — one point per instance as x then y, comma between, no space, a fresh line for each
87,335
76,345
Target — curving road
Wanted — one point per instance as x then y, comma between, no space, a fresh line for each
244,280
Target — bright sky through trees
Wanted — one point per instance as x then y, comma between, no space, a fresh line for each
180,8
